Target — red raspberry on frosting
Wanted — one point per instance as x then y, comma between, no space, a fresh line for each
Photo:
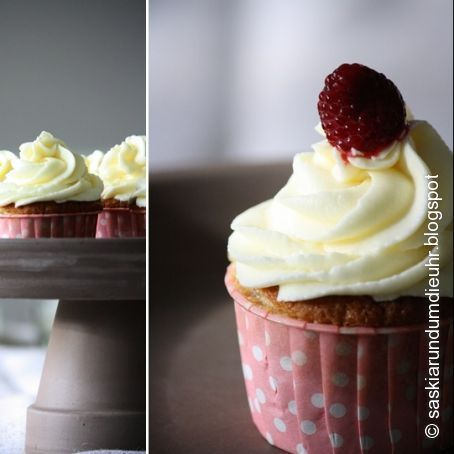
361,109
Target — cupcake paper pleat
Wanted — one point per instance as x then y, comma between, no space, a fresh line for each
73,225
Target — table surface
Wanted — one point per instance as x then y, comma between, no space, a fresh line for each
197,397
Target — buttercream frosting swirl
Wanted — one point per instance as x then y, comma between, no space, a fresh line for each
122,170
93,161
6,160
350,228
47,170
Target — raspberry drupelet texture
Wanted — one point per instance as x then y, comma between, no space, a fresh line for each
361,109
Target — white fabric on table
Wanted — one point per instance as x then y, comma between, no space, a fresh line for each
20,371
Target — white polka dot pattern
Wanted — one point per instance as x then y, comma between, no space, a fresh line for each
361,381
286,363
317,400
269,438
247,372
280,425
337,441
257,352
292,407
273,383
340,379
366,442
260,396
299,358
315,392
337,410
308,427
251,404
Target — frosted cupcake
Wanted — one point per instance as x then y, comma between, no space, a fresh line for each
47,192
331,281
123,172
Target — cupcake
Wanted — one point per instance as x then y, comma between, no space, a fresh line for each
47,192
343,278
123,172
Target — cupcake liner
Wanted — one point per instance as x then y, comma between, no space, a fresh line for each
319,389
120,222
64,225
139,222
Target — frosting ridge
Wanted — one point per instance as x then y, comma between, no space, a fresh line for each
6,160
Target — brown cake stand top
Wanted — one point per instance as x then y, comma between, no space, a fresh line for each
73,269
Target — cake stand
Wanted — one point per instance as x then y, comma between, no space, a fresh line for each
93,385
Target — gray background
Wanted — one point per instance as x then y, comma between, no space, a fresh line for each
76,68
238,80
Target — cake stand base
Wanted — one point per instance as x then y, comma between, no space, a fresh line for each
92,390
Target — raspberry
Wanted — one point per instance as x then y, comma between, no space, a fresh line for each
360,108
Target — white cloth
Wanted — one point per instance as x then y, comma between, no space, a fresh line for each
20,371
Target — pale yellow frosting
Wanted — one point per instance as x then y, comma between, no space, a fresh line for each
122,170
6,160
353,228
93,161
47,170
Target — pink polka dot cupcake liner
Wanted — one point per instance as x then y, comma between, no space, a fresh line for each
316,389
67,225
120,222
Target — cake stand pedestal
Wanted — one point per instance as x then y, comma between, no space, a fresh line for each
93,386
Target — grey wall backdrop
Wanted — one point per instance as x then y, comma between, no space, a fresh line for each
76,68
238,80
